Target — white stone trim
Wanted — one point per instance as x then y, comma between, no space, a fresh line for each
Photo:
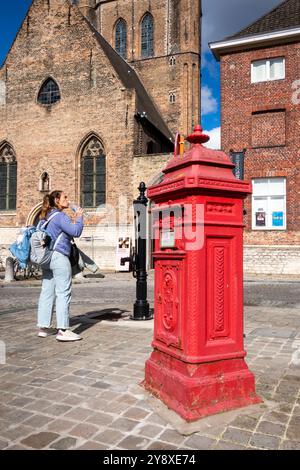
258,39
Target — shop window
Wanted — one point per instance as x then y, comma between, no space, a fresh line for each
269,204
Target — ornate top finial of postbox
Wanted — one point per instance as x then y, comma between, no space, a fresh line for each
198,137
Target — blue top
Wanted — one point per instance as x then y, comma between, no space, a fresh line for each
61,223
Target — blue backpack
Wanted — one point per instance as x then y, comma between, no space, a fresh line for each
26,249
20,249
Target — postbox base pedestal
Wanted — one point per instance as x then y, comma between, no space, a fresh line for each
198,390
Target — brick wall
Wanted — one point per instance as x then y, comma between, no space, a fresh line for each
273,260
258,116
93,101
176,34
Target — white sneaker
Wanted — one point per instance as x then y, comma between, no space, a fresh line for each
44,332
67,335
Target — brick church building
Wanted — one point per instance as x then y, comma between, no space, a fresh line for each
91,95
260,102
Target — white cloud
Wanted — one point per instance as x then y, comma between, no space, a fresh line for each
215,138
209,104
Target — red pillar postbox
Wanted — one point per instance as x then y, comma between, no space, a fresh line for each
197,367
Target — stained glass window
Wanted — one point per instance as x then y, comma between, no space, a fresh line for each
147,36
121,38
49,92
8,178
93,174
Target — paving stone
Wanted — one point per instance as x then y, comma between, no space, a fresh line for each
84,430
172,436
90,445
17,415
236,435
290,445
60,425
3,444
64,443
276,417
100,419
263,441
245,422
14,432
273,429
136,413
155,419
38,421
101,385
293,430
134,443
20,401
109,437
198,442
39,440
221,445
83,372
78,414
284,408
117,407
38,405
124,424
16,447
158,445
73,401
150,430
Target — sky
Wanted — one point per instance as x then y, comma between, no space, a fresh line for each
221,18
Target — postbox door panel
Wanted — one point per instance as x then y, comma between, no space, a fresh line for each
224,295
168,297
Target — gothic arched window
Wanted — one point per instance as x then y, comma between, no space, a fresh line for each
45,182
8,178
49,92
121,38
147,36
93,174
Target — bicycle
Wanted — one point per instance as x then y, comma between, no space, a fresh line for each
31,271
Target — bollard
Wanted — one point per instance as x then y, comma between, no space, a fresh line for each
9,270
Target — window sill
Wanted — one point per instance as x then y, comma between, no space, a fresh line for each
8,213
264,229
268,81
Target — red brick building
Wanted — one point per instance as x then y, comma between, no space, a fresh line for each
260,114
91,94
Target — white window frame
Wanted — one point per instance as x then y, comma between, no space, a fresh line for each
268,70
268,196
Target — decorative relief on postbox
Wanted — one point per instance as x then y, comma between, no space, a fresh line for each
167,302
218,288
219,208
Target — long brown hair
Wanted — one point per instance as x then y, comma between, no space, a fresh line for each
49,203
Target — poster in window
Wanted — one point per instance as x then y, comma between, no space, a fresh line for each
260,219
277,219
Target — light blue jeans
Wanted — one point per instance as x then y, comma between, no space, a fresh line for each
57,284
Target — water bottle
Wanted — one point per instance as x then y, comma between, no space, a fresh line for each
74,209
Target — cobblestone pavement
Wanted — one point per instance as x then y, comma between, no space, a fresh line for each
86,395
